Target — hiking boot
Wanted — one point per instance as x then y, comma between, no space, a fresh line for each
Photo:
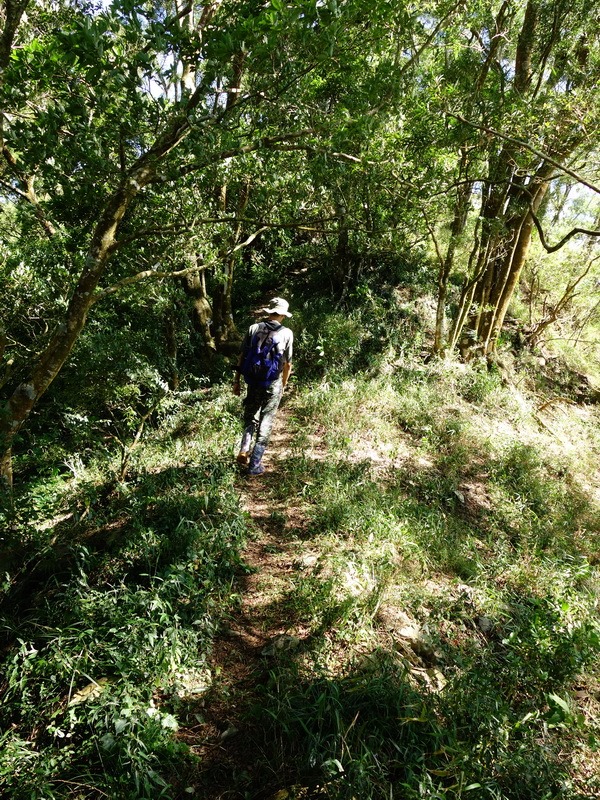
257,470
243,458
254,466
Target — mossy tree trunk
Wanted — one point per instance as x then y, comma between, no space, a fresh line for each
194,285
23,399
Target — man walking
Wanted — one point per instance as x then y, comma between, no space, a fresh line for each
265,362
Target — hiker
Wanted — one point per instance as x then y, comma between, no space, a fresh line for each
265,362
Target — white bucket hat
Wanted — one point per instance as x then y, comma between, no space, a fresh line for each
278,306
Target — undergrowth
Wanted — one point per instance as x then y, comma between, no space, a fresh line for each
448,627
453,607
112,590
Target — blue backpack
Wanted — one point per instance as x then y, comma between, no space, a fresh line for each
262,361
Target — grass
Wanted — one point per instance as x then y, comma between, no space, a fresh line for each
442,497
448,630
117,586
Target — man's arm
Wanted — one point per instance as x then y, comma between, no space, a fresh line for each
236,377
285,374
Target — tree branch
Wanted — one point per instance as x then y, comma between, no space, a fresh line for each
27,193
154,273
266,143
568,295
158,274
521,143
250,239
168,230
175,230
148,273
436,245
553,248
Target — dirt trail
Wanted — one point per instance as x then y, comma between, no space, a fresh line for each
227,743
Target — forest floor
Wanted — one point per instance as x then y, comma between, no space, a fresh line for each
271,631
414,580
258,630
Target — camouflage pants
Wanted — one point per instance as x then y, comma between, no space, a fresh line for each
260,407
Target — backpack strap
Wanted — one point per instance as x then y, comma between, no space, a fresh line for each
267,332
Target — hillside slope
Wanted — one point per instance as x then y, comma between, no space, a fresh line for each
405,604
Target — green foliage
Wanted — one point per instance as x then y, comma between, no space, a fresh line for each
439,491
477,383
358,337
428,504
532,500
124,602
432,496
360,734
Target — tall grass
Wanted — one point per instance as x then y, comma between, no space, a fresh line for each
438,496
112,592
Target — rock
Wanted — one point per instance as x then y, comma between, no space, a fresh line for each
407,653
437,681
432,677
402,627
307,561
393,618
485,624
281,644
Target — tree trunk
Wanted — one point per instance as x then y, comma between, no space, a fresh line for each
19,406
511,274
11,13
461,210
343,262
194,285
171,340
467,292
502,269
225,333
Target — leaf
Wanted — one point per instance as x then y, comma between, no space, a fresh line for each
107,741
170,723
560,702
332,767
120,725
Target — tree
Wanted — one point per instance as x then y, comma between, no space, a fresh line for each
530,113
115,117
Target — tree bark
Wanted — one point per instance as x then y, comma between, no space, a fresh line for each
171,341
461,210
194,285
20,404
11,12
225,333
512,268
502,264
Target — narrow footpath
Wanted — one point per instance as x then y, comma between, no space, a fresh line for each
258,628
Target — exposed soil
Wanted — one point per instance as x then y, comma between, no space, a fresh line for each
220,730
